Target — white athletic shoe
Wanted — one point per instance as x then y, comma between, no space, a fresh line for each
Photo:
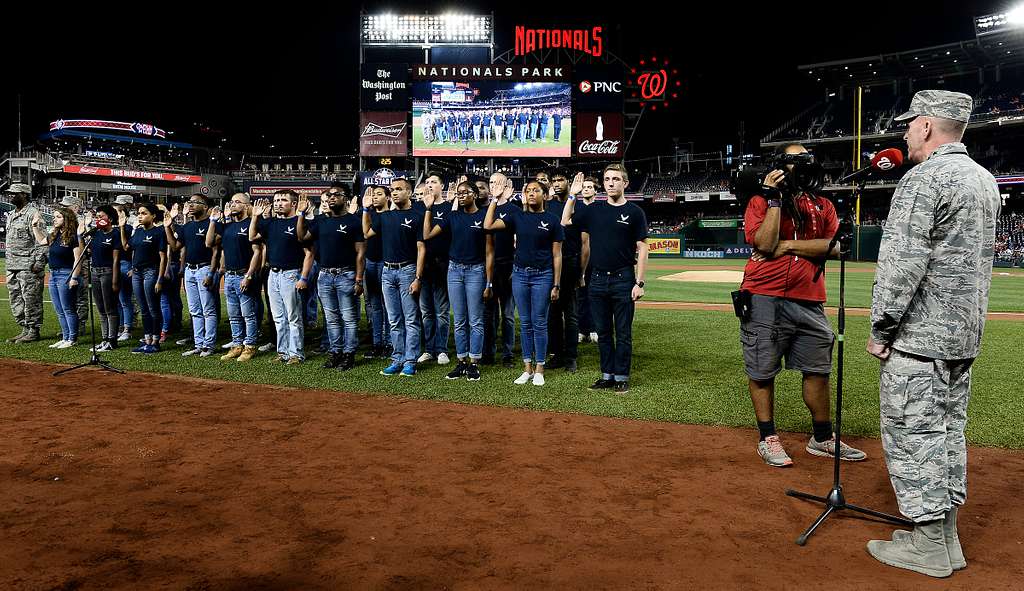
593,337
228,345
538,379
65,344
424,358
525,377
57,344
191,352
442,359
104,346
581,338
206,352
183,342
266,347
124,336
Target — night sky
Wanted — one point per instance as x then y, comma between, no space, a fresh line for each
288,76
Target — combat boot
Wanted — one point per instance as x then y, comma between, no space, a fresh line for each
923,551
247,353
956,553
18,336
31,335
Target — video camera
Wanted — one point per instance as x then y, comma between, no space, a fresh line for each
804,174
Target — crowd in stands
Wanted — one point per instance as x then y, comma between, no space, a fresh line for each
1010,239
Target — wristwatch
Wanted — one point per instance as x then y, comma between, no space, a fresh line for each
557,286
640,284
248,277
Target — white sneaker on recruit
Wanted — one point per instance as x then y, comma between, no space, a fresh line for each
65,344
57,344
266,347
593,337
190,352
442,359
124,336
206,352
227,345
183,342
424,358
538,379
581,337
523,378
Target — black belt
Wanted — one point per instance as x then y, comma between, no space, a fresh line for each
111,269
336,270
618,271
146,268
281,269
237,271
197,266
401,265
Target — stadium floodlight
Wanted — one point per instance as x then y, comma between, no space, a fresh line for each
1000,22
448,29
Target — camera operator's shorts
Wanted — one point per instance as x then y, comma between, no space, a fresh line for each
777,328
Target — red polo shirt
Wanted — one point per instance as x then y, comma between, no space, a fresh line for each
789,276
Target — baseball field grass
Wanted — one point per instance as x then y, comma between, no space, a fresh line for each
687,366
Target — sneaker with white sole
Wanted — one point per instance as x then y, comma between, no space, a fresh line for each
424,358
593,337
538,379
228,345
265,347
183,342
124,336
206,352
66,344
57,344
442,359
100,348
191,352
523,378
827,449
772,452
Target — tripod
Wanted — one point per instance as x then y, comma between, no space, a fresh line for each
836,501
95,359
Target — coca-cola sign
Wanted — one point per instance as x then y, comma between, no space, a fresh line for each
599,135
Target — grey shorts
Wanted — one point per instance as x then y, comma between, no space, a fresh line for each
777,328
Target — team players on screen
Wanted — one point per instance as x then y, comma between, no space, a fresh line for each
517,125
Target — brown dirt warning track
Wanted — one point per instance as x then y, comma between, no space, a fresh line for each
121,482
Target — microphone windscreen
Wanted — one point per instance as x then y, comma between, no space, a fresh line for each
887,159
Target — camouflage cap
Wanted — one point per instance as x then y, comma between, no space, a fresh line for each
124,200
71,201
19,188
943,104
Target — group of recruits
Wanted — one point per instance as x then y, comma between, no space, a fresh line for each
459,254
522,125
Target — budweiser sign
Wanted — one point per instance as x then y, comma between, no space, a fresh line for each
605,148
393,131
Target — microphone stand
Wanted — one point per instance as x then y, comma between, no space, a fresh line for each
95,359
836,500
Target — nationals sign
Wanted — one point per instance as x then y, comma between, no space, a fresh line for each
588,41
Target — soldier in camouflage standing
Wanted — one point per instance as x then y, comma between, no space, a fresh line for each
928,311
26,262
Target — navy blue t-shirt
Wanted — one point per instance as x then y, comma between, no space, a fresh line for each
193,237
505,242
234,239
374,246
618,228
467,235
335,239
535,233
284,251
399,230
103,246
439,248
573,245
62,256
147,245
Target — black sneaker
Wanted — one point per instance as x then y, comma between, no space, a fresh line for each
472,372
458,372
570,365
602,384
507,362
373,352
621,387
333,361
348,361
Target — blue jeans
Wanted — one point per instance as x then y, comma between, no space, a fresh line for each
341,310
435,307
242,310
543,130
144,284
466,285
500,311
202,306
286,307
532,289
65,303
170,298
401,307
612,306
310,296
375,302
125,304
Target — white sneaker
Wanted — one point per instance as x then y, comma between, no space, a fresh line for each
104,346
124,336
57,344
206,352
191,352
593,336
523,378
266,347
227,345
425,357
581,337
442,359
184,341
65,344
538,379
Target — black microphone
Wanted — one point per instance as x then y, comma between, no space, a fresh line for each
884,161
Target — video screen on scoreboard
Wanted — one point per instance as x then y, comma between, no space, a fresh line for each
491,118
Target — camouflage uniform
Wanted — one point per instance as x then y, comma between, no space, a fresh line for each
930,298
25,265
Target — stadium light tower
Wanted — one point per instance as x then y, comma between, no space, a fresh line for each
427,30
1000,22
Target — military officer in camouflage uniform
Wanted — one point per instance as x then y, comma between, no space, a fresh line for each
928,311
26,262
